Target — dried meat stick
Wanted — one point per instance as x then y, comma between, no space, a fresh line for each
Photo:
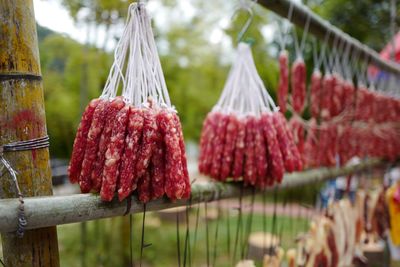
298,162
205,140
178,127
315,93
239,150
326,95
284,143
78,151
298,85
148,142
114,154
297,130
218,145
260,151
111,111
175,185
128,178
157,169
250,172
336,101
283,85
92,145
144,187
229,147
209,149
276,167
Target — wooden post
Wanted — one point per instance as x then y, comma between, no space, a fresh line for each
22,117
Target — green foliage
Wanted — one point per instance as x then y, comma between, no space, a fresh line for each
63,61
367,20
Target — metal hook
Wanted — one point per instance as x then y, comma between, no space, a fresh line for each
248,8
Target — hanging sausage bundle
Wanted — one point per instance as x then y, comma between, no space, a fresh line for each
244,135
132,142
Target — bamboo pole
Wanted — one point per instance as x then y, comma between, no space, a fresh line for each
56,210
22,117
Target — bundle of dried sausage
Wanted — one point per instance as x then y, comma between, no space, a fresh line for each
133,142
244,136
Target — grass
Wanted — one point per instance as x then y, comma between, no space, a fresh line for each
106,242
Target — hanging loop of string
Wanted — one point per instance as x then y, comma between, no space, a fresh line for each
284,34
299,47
246,6
31,144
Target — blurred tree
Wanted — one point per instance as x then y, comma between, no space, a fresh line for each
367,20
97,13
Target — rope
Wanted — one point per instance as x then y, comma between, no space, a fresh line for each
32,144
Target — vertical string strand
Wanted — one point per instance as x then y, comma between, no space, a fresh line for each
178,241
131,239
238,226
245,251
195,235
207,235
216,234
264,221
142,239
186,253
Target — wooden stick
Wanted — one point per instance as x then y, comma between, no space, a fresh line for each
22,117
56,210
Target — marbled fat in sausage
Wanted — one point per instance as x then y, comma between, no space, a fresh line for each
175,185
148,143
229,147
283,84
239,150
299,85
128,177
114,154
111,111
78,151
250,172
218,146
92,146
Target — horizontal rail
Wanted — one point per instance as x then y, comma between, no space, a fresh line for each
57,210
319,27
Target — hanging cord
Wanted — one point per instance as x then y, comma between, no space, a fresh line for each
283,220
273,226
207,234
195,234
131,239
283,37
142,245
245,249
228,230
247,6
187,252
178,241
264,221
299,47
216,233
238,226
31,144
